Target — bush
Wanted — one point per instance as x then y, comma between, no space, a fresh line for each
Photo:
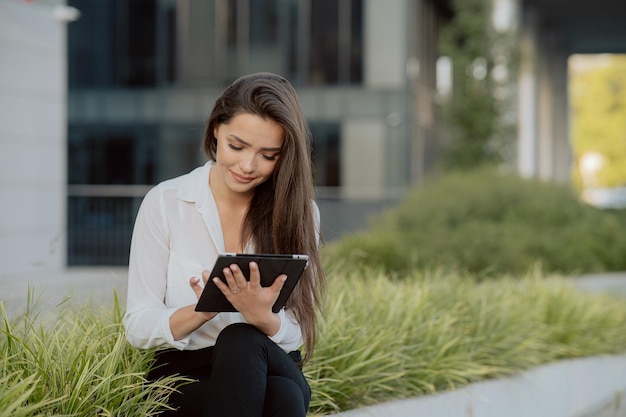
488,224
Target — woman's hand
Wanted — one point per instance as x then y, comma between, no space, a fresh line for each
186,319
252,300
194,282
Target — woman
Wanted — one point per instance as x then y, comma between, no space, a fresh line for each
255,195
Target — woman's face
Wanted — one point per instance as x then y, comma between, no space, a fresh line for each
248,148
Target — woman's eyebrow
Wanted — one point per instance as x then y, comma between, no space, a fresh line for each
243,142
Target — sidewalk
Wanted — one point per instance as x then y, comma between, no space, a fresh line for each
78,285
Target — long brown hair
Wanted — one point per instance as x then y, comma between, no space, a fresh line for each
280,218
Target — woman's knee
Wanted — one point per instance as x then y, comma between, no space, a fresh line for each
284,397
240,340
237,333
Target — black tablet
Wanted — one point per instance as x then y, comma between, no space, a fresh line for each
270,267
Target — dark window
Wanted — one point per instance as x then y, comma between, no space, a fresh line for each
100,223
91,43
324,67
139,35
115,43
336,42
326,153
170,44
356,42
266,51
112,156
99,229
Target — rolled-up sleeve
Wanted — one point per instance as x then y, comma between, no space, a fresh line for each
289,335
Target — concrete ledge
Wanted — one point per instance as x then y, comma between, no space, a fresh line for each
570,388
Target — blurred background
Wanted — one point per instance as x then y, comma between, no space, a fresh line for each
101,99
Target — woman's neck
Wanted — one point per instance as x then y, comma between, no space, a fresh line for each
232,208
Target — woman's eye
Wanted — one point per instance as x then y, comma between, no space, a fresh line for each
235,148
270,157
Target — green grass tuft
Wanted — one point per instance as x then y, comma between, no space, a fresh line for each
386,338
77,363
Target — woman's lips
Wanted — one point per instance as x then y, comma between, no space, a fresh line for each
241,178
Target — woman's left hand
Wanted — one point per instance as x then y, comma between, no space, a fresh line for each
252,300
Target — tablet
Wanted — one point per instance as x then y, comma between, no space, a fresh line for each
270,267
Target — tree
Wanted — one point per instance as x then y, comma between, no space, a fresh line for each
473,116
598,114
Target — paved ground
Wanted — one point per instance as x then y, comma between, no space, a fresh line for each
614,283
98,285
615,407
75,285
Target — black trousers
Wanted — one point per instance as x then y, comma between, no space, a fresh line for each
244,374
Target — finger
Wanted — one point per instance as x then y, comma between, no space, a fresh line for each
231,281
239,278
195,285
278,283
205,276
255,275
222,286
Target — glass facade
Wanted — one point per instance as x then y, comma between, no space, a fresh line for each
138,57
155,43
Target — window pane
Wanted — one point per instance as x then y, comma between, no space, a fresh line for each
112,156
356,44
90,43
141,44
326,153
324,43
265,51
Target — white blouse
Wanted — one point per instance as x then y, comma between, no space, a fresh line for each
177,235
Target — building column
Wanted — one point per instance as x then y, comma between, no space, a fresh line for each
33,137
527,96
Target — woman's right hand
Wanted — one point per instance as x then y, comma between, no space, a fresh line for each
194,282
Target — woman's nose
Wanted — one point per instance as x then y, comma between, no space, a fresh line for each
248,163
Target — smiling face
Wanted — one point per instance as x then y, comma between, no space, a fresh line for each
248,149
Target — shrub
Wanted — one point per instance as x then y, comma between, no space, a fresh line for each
487,224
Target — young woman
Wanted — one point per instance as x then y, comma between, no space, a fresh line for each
255,195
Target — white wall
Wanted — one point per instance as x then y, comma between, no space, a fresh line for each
32,138
363,158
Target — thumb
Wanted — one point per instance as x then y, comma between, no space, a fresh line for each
194,282
279,282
